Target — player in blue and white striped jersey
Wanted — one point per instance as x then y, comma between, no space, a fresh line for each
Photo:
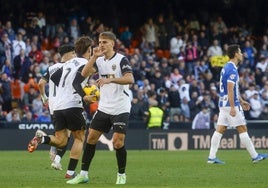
232,108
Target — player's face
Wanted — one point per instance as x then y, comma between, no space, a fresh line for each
239,55
106,45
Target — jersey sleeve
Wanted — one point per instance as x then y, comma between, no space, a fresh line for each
125,66
77,82
46,76
232,76
55,77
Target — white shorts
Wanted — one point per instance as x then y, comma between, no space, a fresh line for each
226,119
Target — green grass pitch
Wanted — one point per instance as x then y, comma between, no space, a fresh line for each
144,169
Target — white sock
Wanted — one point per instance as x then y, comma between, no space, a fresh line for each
57,159
246,141
70,172
84,173
215,142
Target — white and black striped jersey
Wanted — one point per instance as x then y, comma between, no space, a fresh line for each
66,96
114,98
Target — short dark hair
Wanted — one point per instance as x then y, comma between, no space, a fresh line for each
109,35
65,49
232,49
82,44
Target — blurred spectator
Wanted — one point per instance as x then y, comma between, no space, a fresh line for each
13,115
126,37
28,117
44,117
215,49
191,55
2,114
264,113
255,106
60,33
185,110
16,91
162,97
22,65
18,45
176,45
74,29
6,92
35,54
7,69
162,32
29,96
44,64
249,55
202,119
174,101
155,115
195,104
5,49
10,31
37,106
262,64
150,33
138,109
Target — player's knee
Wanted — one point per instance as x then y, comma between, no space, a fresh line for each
117,143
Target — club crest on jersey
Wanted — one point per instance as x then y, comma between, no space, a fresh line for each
232,76
113,67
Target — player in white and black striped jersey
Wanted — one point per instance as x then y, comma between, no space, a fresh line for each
115,75
66,52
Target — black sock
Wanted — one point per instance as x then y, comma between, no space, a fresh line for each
121,156
72,164
88,155
61,151
46,140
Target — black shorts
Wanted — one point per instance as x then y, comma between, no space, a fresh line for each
72,119
104,122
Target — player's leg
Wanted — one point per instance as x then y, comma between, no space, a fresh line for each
99,124
76,122
75,153
216,138
89,152
119,126
56,154
247,142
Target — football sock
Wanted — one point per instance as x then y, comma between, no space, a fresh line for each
121,156
246,141
57,159
45,140
72,164
88,155
61,151
215,142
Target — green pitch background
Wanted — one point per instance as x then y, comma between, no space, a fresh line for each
144,169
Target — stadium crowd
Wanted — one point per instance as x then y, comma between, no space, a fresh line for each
171,61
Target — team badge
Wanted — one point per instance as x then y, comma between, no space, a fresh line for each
232,76
113,67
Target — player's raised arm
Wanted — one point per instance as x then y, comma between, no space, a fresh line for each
89,69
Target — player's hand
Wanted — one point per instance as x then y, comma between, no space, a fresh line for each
245,105
88,98
97,52
102,81
44,100
232,112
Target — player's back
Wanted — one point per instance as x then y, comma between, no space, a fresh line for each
66,96
52,87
